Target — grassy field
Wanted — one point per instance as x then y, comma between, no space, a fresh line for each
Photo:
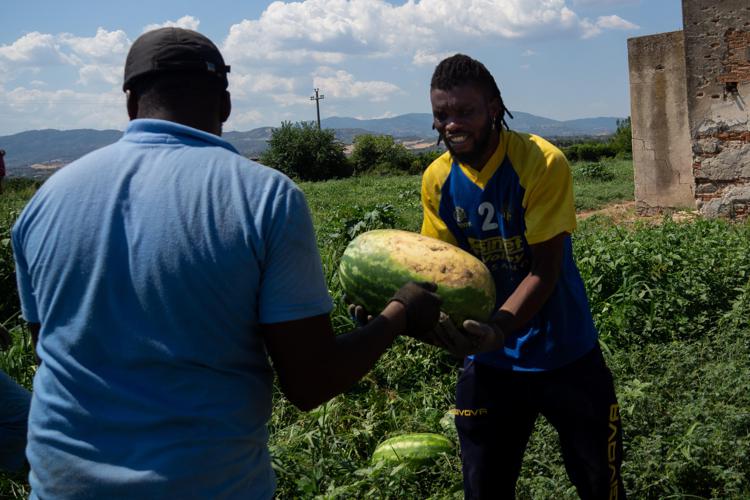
671,301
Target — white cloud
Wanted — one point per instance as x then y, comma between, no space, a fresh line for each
288,99
244,120
98,59
186,22
387,114
528,53
293,46
243,84
605,3
33,49
63,109
90,74
615,23
328,31
427,58
104,46
342,85
251,41
592,29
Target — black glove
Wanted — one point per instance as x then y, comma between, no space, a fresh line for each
358,314
474,338
422,307
6,340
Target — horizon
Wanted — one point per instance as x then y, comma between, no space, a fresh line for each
558,59
322,120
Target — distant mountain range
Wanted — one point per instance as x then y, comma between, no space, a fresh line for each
36,153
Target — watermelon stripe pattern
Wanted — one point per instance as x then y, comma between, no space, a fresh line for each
418,447
377,263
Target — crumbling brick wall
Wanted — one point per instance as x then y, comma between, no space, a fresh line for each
717,52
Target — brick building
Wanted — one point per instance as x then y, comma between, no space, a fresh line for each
690,112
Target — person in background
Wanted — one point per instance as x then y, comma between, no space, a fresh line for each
159,274
507,197
2,169
14,412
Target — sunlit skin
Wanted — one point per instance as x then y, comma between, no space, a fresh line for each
463,117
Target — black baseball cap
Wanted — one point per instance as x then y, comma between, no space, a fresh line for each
172,50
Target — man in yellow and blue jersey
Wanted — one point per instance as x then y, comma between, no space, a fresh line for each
507,198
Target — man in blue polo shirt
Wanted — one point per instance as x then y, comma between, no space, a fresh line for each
159,274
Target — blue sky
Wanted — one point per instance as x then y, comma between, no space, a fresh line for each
61,61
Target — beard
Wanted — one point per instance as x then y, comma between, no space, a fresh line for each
478,151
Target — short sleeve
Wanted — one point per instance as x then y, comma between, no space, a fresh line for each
23,280
548,203
293,285
432,182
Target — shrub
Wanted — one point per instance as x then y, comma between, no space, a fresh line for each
618,145
422,160
593,171
306,153
622,141
379,154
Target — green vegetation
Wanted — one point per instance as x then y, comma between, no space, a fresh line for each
671,300
380,154
303,152
601,183
619,145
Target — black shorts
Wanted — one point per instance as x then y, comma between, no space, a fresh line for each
495,414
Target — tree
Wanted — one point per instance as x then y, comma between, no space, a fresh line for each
623,138
381,154
304,152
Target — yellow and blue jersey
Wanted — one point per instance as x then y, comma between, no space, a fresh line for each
522,196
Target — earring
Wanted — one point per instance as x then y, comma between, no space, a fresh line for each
494,123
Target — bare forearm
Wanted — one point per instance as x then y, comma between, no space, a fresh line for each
318,370
524,303
535,289
351,356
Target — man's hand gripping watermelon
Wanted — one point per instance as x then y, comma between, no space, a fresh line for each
473,338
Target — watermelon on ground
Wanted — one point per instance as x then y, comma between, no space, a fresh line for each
412,448
377,263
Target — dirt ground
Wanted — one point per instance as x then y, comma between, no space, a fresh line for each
624,213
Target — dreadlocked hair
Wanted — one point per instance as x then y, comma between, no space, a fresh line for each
461,69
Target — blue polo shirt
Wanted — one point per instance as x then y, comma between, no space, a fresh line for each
150,264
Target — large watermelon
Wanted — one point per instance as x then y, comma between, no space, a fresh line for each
379,262
413,448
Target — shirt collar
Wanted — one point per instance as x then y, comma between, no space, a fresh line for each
482,177
150,130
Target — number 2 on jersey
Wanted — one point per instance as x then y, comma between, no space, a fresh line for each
487,211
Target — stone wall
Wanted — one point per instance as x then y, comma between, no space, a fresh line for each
717,55
662,157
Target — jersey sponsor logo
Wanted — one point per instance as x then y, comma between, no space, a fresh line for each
499,252
468,412
461,218
614,424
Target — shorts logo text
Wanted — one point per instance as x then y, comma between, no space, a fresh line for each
614,423
468,412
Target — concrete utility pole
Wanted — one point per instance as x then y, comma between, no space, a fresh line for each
317,99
